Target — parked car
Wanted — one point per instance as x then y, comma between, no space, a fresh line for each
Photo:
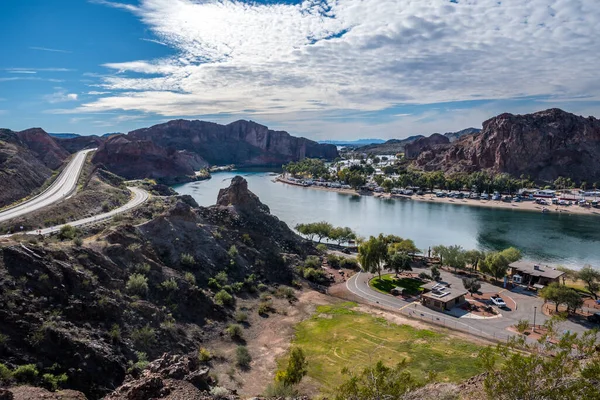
497,300
594,318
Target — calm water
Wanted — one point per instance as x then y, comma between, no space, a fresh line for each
570,240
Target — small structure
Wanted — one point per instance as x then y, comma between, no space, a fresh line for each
441,297
532,274
397,291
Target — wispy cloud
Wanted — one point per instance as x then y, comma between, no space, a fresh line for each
365,55
30,70
29,78
49,49
22,72
61,96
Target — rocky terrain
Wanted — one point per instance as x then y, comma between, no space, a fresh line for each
134,158
44,147
77,143
89,310
21,170
453,136
543,145
429,143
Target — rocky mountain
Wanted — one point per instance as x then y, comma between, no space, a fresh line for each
243,143
90,310
64,135
457,135
138,158
392,146
44,147
413,149
543,145
353,143
21,170
77,143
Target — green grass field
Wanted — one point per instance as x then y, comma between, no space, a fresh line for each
389,281
337,337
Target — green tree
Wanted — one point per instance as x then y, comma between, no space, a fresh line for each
473,257
472,285
571,373
454,257
511,254
377,382
591,277
559,294
435,273
399,261
296,368
387,185
373,254
496,265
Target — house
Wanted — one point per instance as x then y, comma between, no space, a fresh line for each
440,297
531,274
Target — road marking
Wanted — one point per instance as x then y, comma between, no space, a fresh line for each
409,304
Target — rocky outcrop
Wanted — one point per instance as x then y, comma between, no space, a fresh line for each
412,150
134,158
543,145
238,196
21,171
392,146
78,143
454,136
243,143
44,147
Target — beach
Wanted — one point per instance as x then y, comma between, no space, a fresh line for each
521,206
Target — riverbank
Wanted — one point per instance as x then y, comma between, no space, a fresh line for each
431,198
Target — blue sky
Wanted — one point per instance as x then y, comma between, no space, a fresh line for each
321,69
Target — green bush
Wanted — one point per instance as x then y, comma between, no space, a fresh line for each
137,285
170,285
349,263
78,241
265,308
237,287
187,260
190,278
333,261
279,390
5,374
235,331
233,252
115,333
214,284
142,268
204,355
67,232
247,240
223,298
262,287
285,292
26,374
312,262
141,363
222,278
243,358
144,337
315,275
322,247
241,316
53,382
227,288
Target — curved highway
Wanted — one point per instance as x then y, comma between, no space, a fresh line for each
139,196
62,187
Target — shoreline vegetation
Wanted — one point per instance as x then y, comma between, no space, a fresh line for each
529,206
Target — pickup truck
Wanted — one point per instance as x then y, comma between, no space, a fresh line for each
497,300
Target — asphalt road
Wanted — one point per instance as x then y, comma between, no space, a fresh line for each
61,188
139,196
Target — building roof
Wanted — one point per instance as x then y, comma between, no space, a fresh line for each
533,269
440,292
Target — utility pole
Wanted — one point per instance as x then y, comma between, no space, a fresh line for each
534,313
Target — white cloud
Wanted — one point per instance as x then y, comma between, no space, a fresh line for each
60,96
49,49
317,56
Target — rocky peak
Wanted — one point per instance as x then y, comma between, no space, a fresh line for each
238,196
43,146
412,150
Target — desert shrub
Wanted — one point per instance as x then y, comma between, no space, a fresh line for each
241,316
285,292
219,392
115,333
190,278
322,247
26,373
235,331
237,287
247,240
141,363
265,307
315,275
5,374
144,337
141,268
333,261
187,260
67,232
522,325
223,298
349,263
227,288
53,382
312,262
170,285
105,206
242,356
233,252
204,355
222,278
78,241
262,287
214,284
137,285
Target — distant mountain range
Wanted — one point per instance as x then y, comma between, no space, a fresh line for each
359,142
75,135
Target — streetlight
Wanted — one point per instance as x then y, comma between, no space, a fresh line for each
534,313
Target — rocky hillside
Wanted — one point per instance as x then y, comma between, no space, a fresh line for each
77,143
412,150
453,136
134,158
244,143
21,171
392,146
44,147
90,310
543,145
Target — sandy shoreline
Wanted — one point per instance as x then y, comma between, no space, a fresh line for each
430,198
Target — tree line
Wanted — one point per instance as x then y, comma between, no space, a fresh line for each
324,230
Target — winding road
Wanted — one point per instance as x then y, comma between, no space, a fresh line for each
60,189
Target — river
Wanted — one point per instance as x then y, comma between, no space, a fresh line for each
554,239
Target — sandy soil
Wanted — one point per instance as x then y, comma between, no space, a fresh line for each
522,206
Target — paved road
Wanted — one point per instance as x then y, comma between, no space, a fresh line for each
61,188
492,328
139,196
